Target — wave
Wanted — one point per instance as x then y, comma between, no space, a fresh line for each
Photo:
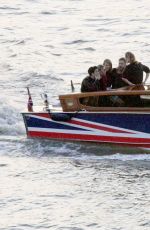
13,55
23,146
9,8
82,151
3,165
102,19
16,42
20,13
104,30
63,28
88,49
11,122
34,79
79,152
49,46
140,20
5,67
48,12
21,42
58,55
80,41
126,34
39,83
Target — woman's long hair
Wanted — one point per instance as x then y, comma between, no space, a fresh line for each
131,56
108,61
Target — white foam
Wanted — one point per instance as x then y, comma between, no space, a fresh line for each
117,156
11,122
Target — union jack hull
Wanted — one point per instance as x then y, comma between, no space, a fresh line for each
125,128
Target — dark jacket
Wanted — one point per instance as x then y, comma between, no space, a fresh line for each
109,78
134,72
90,85
117,81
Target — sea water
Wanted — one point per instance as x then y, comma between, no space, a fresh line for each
67,186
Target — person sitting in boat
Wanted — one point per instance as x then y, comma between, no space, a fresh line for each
103,78
108,71
118,82
133,73
93,82
117,74
107,100
115,81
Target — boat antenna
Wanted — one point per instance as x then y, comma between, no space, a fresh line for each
30,102
72,86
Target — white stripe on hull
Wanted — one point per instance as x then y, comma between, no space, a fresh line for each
97,133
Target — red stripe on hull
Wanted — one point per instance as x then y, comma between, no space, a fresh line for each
140,142
45,115
85,124
99,127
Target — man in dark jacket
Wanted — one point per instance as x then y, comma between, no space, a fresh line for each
117,74
93,82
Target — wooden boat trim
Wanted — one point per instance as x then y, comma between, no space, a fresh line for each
105,93
71,102
114,109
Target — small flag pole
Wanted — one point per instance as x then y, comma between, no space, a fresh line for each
30,102
72,86
46,102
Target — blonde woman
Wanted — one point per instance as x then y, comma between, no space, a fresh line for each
133,73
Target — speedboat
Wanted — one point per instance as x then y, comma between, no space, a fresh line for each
121,121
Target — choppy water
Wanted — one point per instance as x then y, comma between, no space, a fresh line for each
51,185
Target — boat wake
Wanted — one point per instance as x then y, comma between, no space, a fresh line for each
11,122
20,146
